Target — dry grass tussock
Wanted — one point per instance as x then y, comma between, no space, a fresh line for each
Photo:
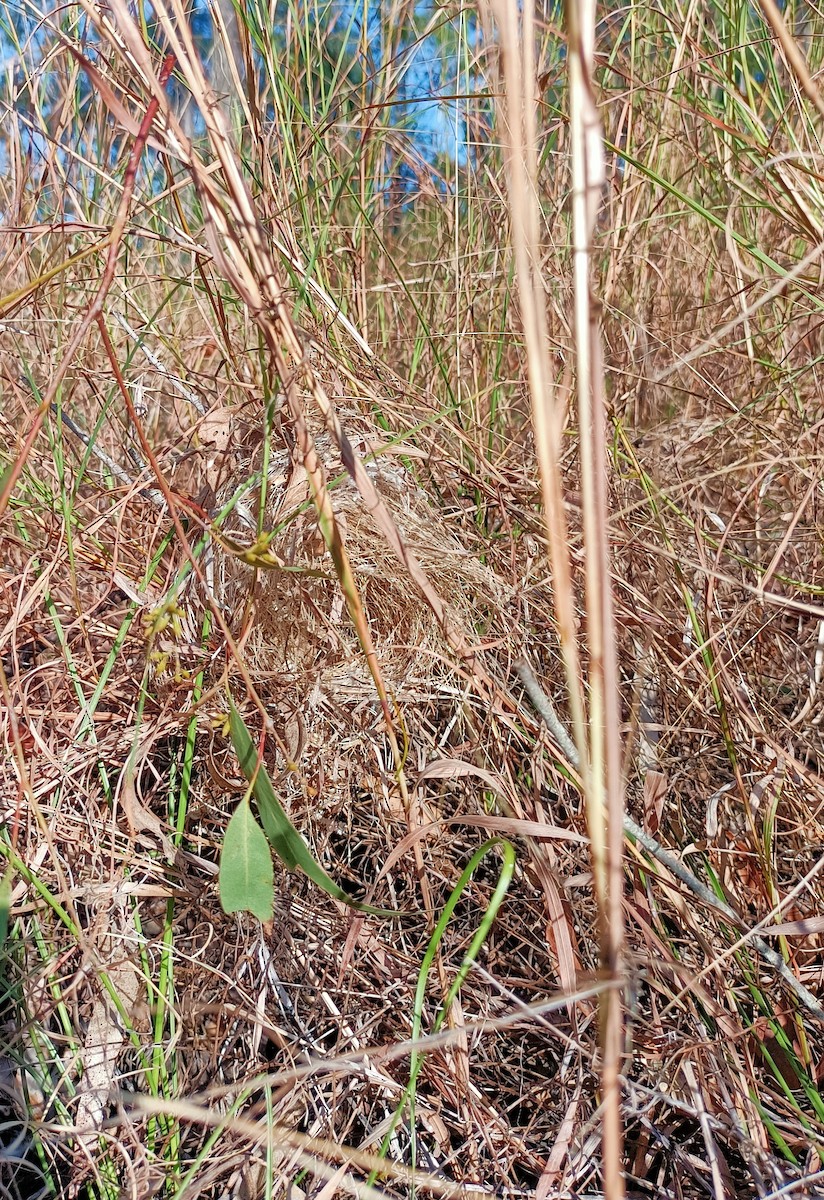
153,1045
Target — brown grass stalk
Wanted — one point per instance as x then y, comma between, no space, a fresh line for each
596,735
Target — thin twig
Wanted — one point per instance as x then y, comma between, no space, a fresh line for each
119,472
174,380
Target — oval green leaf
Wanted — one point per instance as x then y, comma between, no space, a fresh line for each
247,879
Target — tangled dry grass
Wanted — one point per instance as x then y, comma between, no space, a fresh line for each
154,1045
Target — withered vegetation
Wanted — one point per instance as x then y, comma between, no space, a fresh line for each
153,1045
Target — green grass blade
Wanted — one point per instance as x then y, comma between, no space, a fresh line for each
480,936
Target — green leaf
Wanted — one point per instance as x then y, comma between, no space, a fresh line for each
247,879
5,476
284,838
5,906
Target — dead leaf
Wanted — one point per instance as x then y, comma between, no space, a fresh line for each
655,792
216,428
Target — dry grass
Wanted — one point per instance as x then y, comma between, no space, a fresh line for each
154,1045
